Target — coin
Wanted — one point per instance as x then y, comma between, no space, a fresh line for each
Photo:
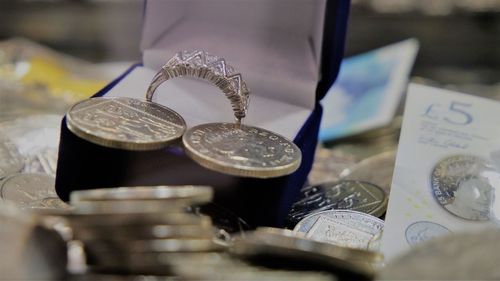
377,169
308,253
125,123
195,193
341,227
11,160
459,187
353,195
245,151
464,256
28,190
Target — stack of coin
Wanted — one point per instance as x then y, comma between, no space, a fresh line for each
141,230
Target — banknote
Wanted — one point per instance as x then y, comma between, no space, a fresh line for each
447,172
368,90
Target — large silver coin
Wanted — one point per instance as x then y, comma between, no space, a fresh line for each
458,185
11,160
125,123
341,227
28,190
377,169
245,151
465,256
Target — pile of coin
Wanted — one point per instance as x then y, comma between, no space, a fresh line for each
141,230
341,195
127,232
353,173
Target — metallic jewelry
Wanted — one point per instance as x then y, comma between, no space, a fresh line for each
208,67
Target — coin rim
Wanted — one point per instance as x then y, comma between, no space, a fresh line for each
88,135
240,170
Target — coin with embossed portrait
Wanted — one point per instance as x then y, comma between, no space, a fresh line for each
125,123
459,185
242,150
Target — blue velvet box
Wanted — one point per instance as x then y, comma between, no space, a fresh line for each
289,53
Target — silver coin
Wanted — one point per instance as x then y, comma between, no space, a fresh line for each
281,244
125,123
459,187
377,169
421,231
11,161
341,227
27,190
464,256
244,151
351,195
196,193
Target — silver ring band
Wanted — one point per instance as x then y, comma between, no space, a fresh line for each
208,67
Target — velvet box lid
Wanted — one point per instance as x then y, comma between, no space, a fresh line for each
289,53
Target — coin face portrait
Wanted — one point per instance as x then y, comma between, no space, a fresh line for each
458,185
